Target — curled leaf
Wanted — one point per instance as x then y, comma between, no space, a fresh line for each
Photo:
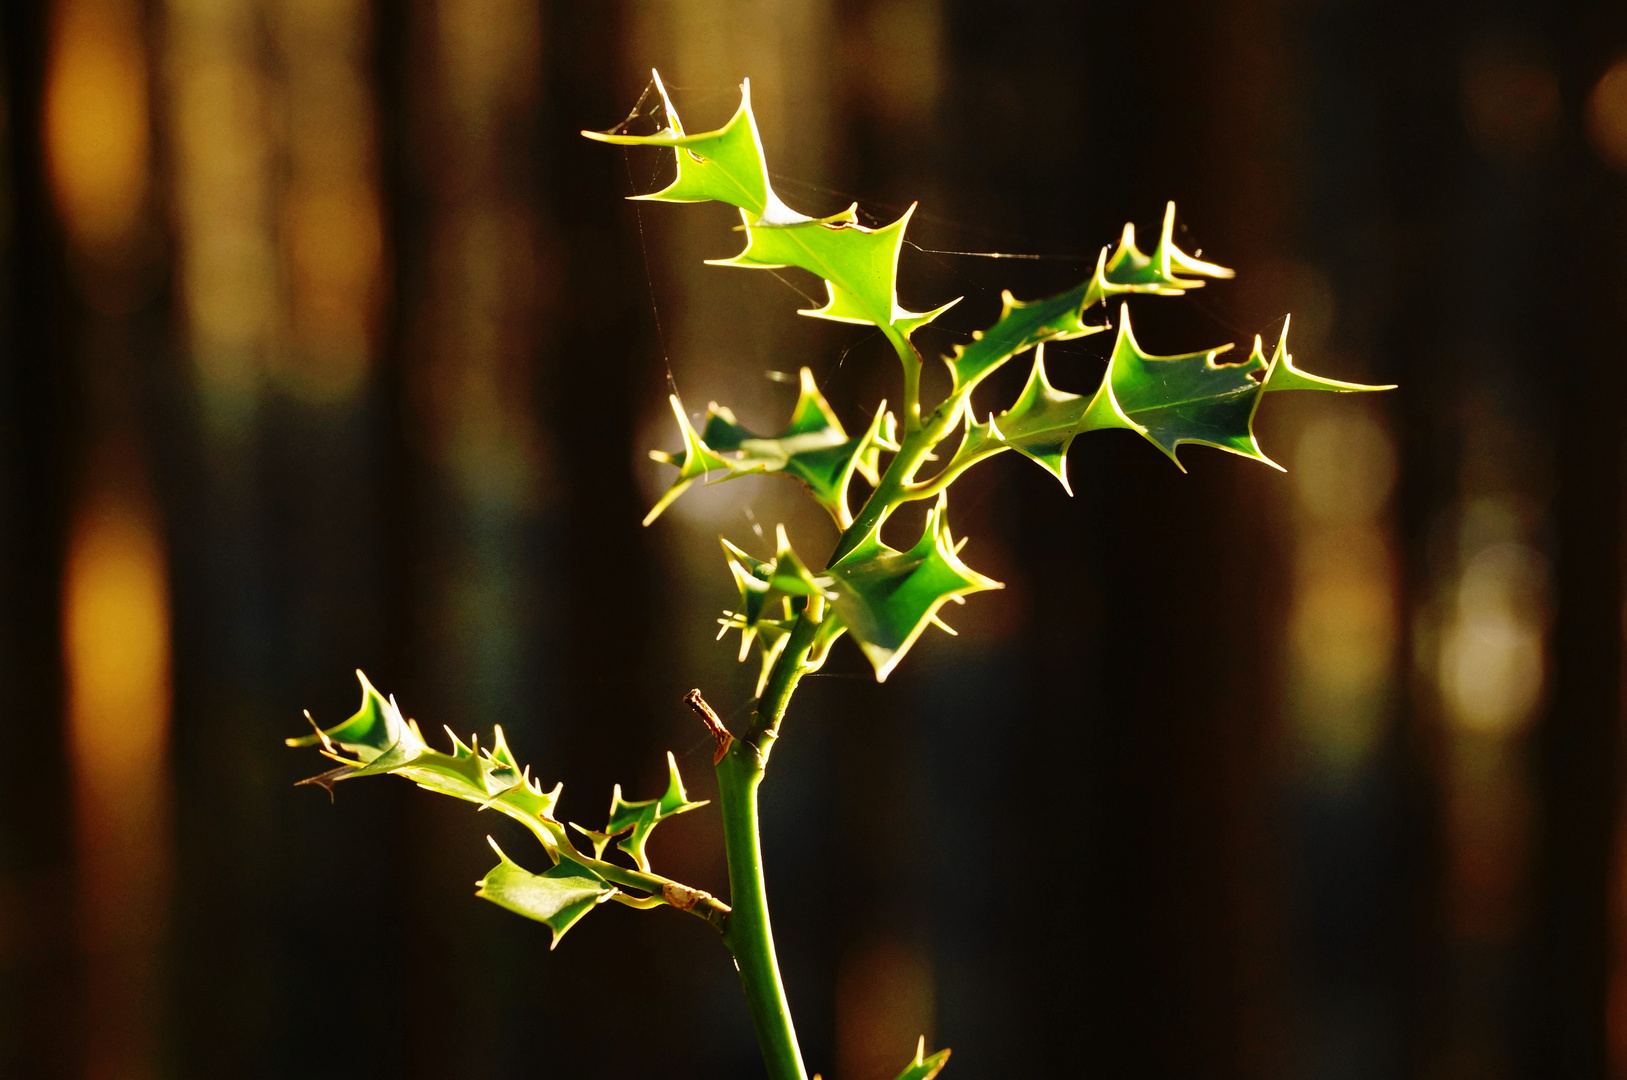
384,742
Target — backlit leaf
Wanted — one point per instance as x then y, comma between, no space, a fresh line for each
814,448
1192,399
924,1067
558,897
1161,271
859,265
767,609
638,819
1173,400
1025,324
886,597
384,742
725,165
1170,400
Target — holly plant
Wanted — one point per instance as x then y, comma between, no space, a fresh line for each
793,608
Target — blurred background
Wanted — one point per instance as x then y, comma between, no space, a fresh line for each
327,342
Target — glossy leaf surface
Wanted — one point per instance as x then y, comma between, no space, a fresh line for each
1172,400
558,897
1161,272
886,598
1191,398
859,265
725,165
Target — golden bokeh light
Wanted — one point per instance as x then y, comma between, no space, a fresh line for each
1607,115
220,132
332,239
116,628
1492,651
1343,622
96,135
116,653
334,246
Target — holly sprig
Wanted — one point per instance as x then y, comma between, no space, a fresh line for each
792,609
886,598
380,741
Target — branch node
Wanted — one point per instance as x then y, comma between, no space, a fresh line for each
681,897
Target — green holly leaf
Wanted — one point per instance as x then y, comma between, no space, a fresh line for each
1173,400
770,636
725,165
755,580
694,461
385,742
1040,425
859,265
814,448
761,584
923,1067
887,597
558,897
1281,374
374,730
1024,324
1192,399
790,575
638,819
1160,272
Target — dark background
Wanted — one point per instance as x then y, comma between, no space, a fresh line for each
359,348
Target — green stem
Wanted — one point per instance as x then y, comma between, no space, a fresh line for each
894,488
948,474
664,890
746,931
911,359
782,683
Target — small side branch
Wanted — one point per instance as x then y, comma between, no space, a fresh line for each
910,357
929,489
713,724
